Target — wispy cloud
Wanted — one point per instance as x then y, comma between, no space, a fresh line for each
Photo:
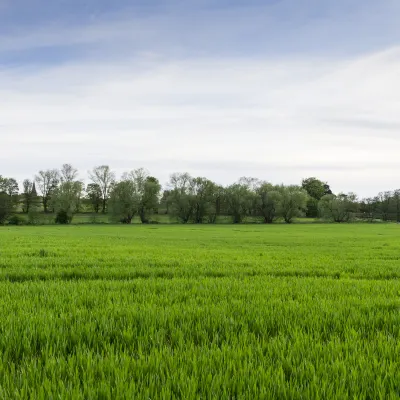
131,94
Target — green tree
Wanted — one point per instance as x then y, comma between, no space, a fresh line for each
105,179
293,202
239,200
65,199
180,197
396,203
94,196
216,200
149,199
385,204
147,191
81,196
34,215
193,199
136,194
339,208
316,189
369,208
68,174
47,182
6,207
204,200
9,186
29,195
164,203
123,202
268,201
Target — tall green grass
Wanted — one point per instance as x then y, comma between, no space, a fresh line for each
291,312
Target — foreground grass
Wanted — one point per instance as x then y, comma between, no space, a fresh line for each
305,311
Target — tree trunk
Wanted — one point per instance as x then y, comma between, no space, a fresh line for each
143,217
45,205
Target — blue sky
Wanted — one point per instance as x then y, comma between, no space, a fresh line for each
277,89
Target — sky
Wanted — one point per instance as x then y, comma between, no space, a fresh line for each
279,90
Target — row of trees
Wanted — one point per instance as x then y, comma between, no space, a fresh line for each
187,198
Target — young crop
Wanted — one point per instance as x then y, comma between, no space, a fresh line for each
288,312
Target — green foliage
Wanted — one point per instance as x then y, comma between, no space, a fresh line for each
240,200
63,217
34,215
396,204
293,202
204,200
123,202
149,194
29,195
316,189
136,194
299,312
340,208
180,197
47,182
6,207
268,201
104,178
94,196
384,204
193,199
16,220
9,186
369,209
65,199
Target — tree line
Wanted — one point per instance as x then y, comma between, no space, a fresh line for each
185,198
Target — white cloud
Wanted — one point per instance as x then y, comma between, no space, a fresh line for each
279,120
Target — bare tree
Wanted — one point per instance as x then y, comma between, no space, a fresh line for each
68,173
104,178
47,181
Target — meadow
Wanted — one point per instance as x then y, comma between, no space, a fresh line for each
225,312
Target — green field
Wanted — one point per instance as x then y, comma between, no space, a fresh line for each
248,311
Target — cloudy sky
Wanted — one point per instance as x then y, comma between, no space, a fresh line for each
275,89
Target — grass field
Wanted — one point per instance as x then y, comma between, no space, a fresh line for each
284,312
92,218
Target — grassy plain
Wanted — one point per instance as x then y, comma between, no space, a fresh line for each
247,311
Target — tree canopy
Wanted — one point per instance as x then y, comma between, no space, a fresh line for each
185,198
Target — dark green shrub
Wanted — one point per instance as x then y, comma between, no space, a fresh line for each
6,207
16,220
35,216
63,218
